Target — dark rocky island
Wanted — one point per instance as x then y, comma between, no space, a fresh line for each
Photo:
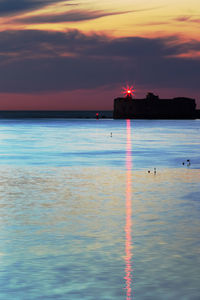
152,107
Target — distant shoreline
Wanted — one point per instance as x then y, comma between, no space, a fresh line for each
68,114
77,114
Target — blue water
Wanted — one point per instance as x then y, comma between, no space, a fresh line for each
81,217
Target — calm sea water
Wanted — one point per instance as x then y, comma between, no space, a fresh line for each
82,218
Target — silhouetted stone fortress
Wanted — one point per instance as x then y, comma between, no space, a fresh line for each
154,108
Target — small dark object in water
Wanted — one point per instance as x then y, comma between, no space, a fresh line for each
183,163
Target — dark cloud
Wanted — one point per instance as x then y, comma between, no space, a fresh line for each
75,15
31,75
188,19
11,7
183,19
70,16
34,42
155,23
14,7
37,61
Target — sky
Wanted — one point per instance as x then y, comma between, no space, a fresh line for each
77,55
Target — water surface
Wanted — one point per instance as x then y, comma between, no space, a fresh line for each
81,217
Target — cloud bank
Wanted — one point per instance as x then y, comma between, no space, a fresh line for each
41,61
12,7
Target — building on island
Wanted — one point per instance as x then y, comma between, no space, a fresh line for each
152,107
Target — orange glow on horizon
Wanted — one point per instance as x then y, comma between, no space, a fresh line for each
128,243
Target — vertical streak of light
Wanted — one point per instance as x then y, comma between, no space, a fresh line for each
128,243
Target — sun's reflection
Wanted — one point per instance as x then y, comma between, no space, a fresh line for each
128,244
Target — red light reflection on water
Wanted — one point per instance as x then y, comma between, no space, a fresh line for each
128,243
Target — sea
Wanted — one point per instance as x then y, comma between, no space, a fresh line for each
99,209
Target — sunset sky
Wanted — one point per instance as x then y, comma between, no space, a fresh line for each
57,54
